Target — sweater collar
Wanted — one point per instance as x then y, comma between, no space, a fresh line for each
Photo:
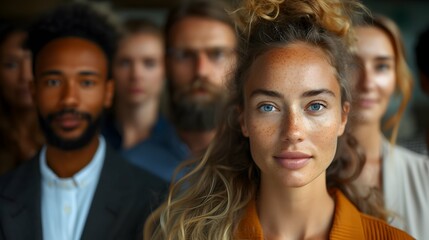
346,225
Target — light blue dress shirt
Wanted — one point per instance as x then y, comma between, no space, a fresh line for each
66,201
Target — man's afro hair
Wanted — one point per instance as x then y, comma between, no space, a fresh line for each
74,20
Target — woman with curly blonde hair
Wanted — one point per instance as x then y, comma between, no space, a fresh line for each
281,165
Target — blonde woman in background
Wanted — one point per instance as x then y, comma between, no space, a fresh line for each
401,175
272,171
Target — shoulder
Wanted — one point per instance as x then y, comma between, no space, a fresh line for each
134,187
397,151
407,160
373,227
120,172
128,172
21,176
350,223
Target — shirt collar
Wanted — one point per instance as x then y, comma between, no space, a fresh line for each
85,176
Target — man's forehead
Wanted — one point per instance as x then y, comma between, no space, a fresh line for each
197,32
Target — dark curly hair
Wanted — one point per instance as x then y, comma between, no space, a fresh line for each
74,20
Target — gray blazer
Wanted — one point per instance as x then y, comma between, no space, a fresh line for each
124,197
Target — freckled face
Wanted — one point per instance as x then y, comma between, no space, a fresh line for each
292,114
376,82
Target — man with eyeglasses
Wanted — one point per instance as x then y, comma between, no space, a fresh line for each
201,55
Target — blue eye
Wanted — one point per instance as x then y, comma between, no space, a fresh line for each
314,107
267,108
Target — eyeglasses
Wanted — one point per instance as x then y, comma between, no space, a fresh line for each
216,55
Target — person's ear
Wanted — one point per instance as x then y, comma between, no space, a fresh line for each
110,90
344,117
243,123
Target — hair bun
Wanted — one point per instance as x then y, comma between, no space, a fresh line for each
333,15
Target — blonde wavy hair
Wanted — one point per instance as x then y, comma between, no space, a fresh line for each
332,15
404,78
209,201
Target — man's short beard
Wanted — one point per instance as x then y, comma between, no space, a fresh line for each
195,113
69,144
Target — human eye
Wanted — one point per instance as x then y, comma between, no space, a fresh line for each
53,82
183,54
150,63
11,64
219,54
124,63
87,83
315,107
382,67
216,54
267,108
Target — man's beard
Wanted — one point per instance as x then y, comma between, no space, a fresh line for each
69,144
197,113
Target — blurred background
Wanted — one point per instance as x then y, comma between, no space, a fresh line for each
412,16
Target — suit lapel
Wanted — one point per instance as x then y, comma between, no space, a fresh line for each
24,197
107,201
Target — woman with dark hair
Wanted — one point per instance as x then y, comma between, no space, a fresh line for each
20,136
401,174
276,169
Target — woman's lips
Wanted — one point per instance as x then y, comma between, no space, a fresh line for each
366,102
293,160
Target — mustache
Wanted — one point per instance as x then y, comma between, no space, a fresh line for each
70,111
198,85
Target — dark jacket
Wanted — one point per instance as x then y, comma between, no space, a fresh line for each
124,197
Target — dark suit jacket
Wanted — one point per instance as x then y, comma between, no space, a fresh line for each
124,197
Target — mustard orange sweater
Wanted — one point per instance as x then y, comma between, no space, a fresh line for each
348,224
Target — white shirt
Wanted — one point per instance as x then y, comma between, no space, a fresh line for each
406,189
66,201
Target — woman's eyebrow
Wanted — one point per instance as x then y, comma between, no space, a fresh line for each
265,92
316,92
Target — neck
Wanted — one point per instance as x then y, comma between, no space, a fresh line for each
295,213
136,121
66,164
369,137
197,141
